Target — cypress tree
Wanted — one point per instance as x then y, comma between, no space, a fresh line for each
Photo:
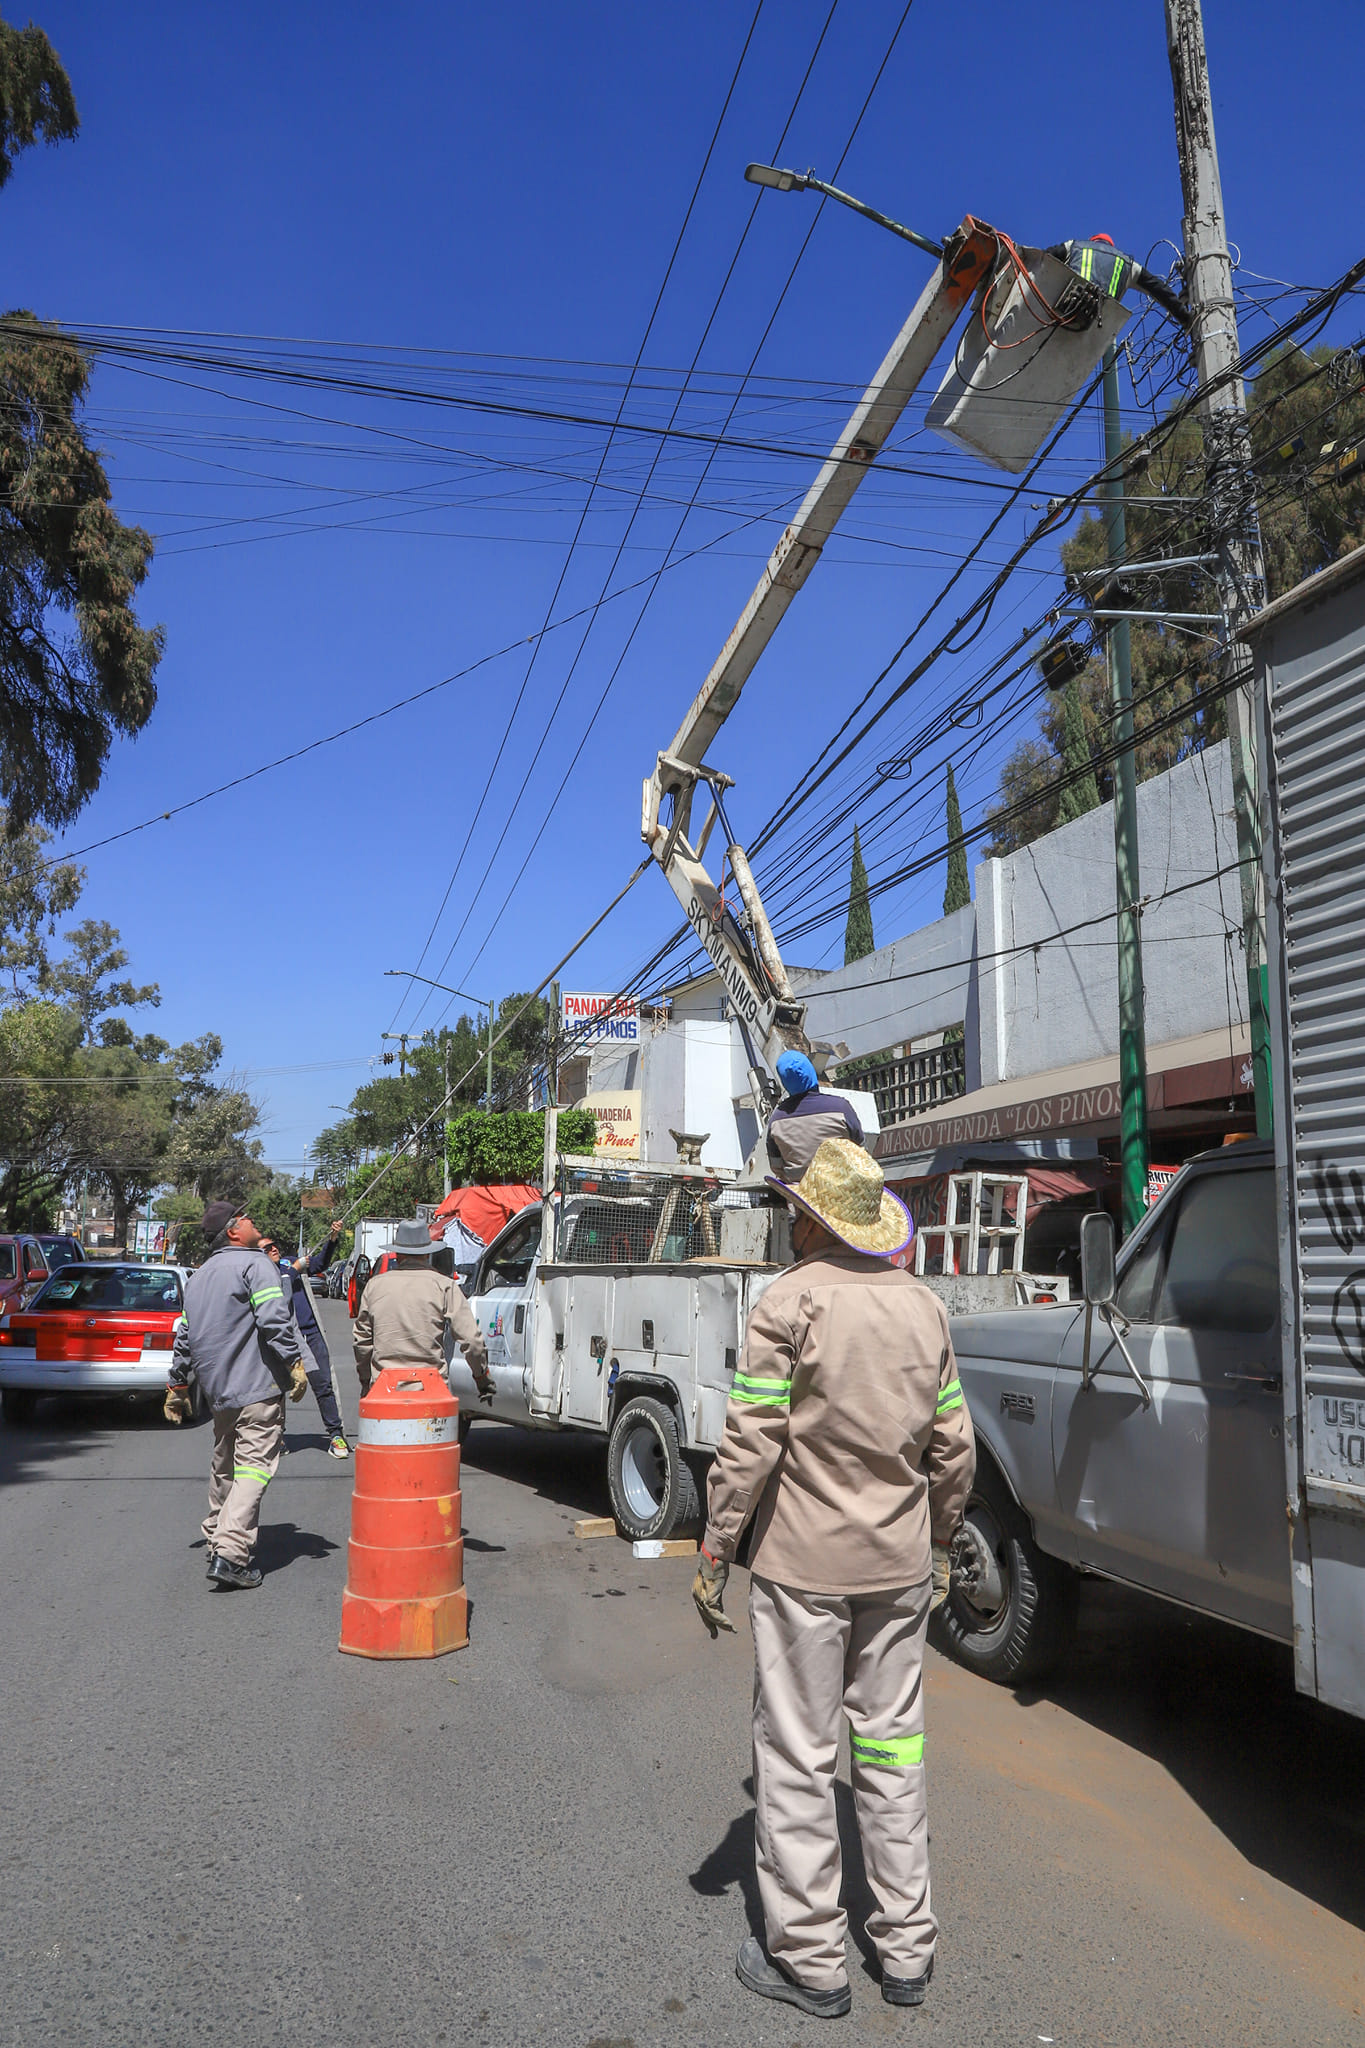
858,939
1083,795
959,890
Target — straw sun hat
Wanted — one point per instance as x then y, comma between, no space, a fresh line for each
843,1189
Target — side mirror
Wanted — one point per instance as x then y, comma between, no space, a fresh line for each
1097,1258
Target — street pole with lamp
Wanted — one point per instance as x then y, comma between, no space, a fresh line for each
484,1002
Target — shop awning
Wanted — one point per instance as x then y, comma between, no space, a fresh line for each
1212,1068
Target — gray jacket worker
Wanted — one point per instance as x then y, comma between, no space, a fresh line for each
848,1444
239,1338
405,1313
807,1116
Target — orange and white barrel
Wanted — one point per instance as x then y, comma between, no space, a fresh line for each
405,1593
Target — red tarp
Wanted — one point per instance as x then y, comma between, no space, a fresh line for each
482,1211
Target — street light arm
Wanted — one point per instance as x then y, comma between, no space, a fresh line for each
806,181
484,1002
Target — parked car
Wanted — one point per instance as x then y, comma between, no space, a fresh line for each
60,1250
334,1280
22,1269
92,1328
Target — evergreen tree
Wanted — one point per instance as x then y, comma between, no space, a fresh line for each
1083,795
76,667
858,939
958,893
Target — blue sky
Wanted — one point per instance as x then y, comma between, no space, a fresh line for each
508,183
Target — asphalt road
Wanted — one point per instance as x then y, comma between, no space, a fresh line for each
217,1829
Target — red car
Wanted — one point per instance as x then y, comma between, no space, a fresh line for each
92,1328
22,1269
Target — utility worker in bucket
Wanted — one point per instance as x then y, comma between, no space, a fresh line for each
848,1444
406,1311
238,1337
806,1116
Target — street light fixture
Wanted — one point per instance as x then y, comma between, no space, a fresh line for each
806,181
484,1002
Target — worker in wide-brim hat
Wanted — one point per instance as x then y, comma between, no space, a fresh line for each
848,1445
406,1312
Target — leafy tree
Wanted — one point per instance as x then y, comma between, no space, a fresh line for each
33,895
1309,518
83,980
36,100
40,1117
957,893
858,937
406,1183
509,1145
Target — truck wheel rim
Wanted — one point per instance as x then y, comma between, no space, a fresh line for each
981,1581
644,1473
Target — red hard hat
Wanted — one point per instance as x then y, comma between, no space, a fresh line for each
1103,238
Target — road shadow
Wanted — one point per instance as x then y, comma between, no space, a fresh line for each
1280,1776
281,1543
731,1865
63,1426
568,1467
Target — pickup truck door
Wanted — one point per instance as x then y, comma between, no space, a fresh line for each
1186,1495
502,1308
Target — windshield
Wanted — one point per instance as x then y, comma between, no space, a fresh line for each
142,1290
59,1251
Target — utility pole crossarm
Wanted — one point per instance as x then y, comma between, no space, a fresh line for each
967,258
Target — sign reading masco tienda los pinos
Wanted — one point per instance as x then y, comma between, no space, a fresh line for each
602,1020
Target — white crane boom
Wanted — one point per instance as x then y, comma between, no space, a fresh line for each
749,962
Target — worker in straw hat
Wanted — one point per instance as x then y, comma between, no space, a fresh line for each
848,1444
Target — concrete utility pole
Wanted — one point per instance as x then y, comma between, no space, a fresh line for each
445,1116
1229,481
1135,1146
402,1038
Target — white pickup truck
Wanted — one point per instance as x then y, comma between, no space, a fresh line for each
1138,1435
641,1353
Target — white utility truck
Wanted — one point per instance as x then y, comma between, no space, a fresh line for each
1196,1429
619,1305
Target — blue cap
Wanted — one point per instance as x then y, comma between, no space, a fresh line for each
796,1073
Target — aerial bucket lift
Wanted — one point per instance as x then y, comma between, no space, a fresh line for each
1065,308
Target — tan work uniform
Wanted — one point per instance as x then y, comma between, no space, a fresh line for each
848,1442
402,1320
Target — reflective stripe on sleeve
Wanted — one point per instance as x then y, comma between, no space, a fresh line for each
895,1751
951,1397
266,1294
761,1392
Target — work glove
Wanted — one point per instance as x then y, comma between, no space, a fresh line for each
298,1380
176,1406
708,1589
942,1572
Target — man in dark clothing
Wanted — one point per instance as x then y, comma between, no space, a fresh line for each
320,1370
809,1114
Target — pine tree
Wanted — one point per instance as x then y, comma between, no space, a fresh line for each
958,893
76,667
1082,795
858,939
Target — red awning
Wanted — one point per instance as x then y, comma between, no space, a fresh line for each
483,1211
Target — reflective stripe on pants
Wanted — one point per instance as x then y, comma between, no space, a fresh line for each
246,1451
817,1658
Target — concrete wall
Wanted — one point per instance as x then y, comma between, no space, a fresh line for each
916,985
1045,1009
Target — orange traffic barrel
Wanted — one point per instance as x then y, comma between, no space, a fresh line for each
405,1592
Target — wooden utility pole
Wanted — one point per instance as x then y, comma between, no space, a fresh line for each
1229,481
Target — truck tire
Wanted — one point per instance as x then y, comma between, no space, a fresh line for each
1011,1610
652,1488
18,1405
